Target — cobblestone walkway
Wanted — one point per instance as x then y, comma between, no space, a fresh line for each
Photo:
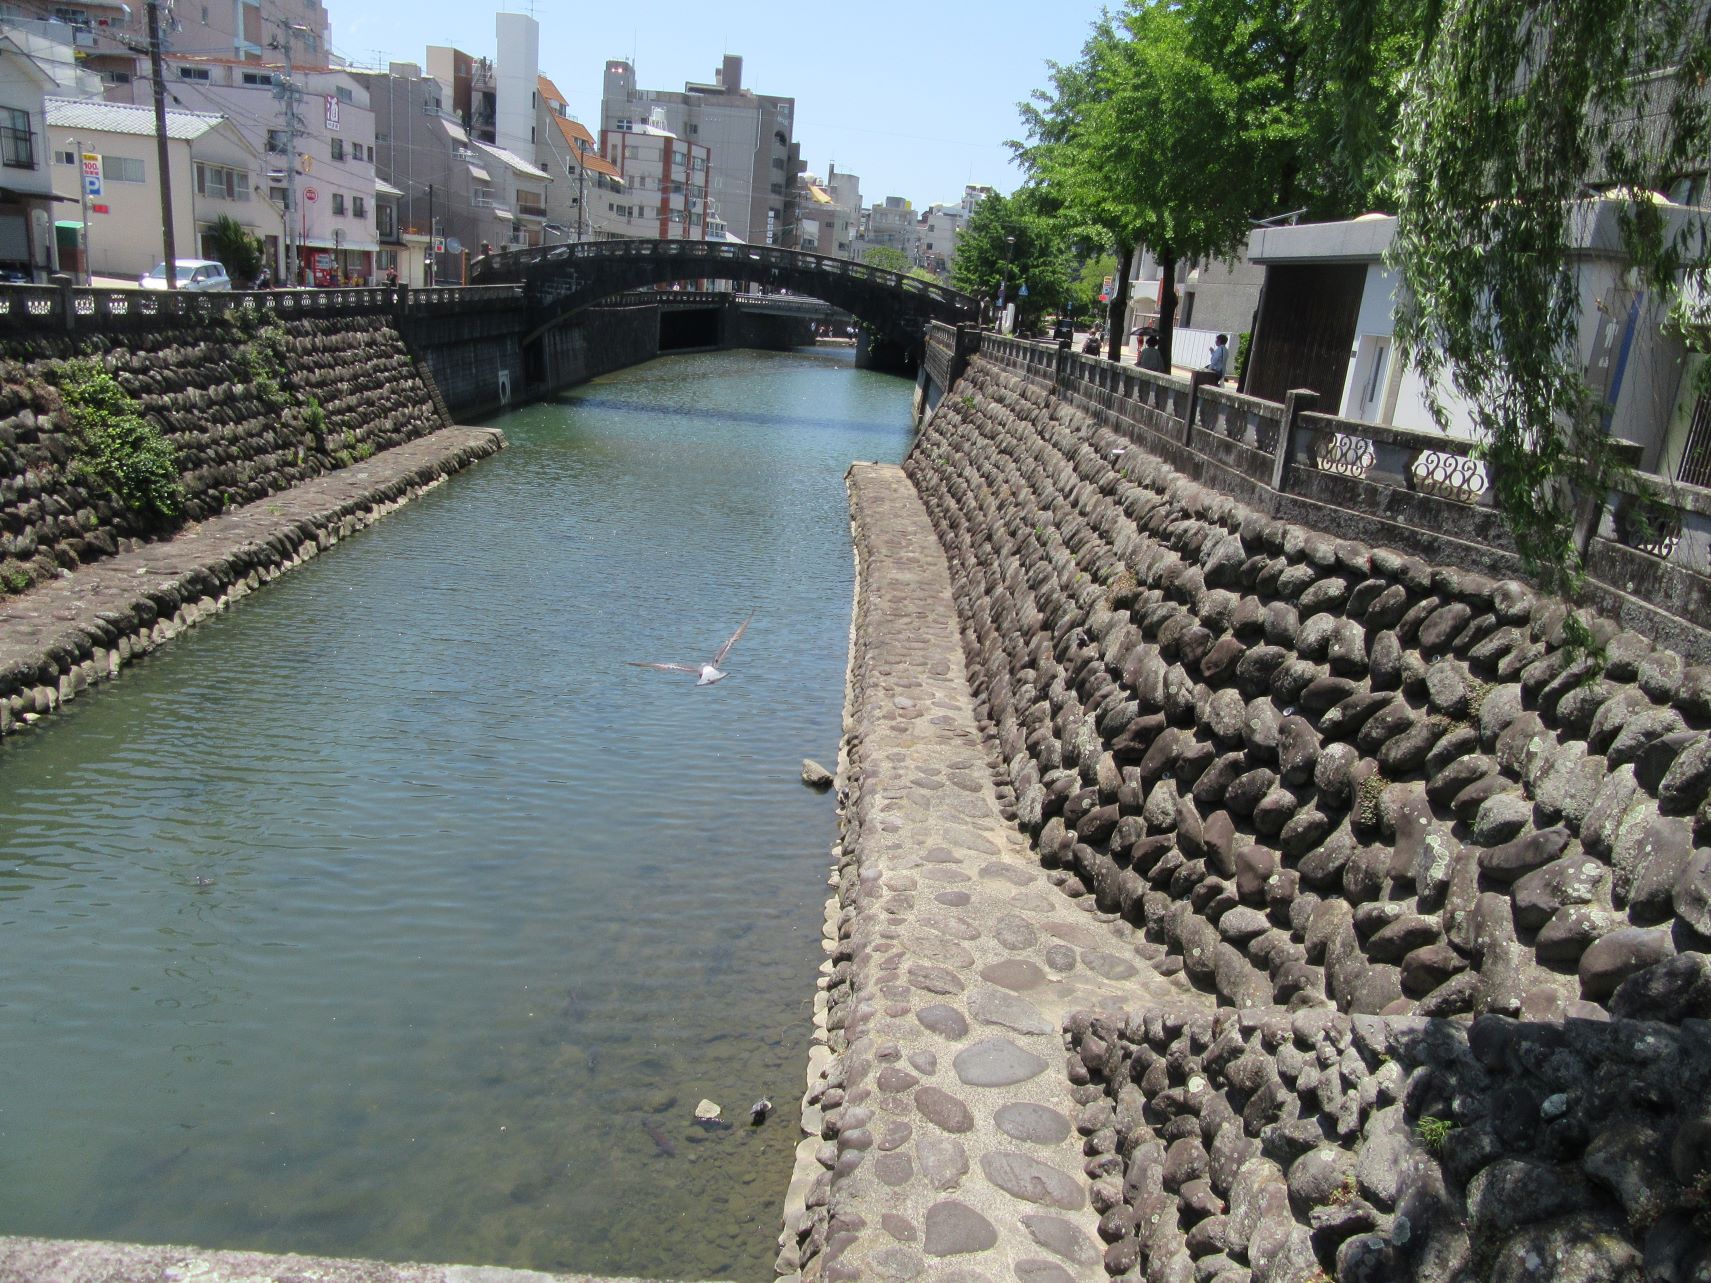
951,1125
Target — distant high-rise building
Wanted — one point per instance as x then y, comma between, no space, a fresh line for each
753,159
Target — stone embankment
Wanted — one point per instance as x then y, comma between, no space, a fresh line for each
249,408
942,1135
74,632
1419,845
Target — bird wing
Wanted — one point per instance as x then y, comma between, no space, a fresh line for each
726,648
693,670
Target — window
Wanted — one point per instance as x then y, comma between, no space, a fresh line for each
385,220
122,169
339,203
114,77
337,146
65,158
277,196
359,207
17,139
221,182
778,162
193,73
343,93
258,78
481,197
277,141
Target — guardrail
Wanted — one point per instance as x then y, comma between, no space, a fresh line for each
1646,545
76,308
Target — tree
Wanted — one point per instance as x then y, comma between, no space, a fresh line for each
238,252
1012,242
887,259
1141,139
1516,107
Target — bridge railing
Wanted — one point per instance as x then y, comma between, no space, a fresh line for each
77,308
518,263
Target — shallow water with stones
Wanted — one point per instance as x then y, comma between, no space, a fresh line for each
391,914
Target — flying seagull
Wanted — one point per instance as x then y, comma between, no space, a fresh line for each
705,674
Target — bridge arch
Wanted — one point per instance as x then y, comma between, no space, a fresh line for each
562,280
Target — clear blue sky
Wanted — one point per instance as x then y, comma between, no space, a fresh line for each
916,98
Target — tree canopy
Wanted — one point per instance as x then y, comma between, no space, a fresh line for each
1011,242
887,259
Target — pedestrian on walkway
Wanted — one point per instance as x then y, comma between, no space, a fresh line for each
1152,356
1219,361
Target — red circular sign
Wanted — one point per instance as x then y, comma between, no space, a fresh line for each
311,195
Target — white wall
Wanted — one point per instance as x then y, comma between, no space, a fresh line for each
516,73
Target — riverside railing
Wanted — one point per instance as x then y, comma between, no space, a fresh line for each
1646,545
73,308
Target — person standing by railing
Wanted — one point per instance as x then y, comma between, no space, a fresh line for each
1219,361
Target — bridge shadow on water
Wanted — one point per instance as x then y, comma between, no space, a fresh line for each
622,405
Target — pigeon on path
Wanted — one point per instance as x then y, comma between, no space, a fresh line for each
705,674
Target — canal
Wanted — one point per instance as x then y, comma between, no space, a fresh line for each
392,914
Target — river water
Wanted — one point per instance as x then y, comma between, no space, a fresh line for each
392,914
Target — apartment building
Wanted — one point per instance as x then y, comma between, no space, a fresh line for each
665,179
587,191
749,137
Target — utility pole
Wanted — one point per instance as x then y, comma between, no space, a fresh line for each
290,94
432,262
165,158
83,198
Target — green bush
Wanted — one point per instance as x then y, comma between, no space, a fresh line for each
116,446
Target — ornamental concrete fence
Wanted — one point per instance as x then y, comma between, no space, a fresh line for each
1339,781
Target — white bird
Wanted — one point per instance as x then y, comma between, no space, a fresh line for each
705,674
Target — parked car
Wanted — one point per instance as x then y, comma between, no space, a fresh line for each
199,274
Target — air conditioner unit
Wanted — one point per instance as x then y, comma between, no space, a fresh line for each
83,39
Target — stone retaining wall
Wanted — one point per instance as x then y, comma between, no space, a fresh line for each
235,440
1318,771
1360,799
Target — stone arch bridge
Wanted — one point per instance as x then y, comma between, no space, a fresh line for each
562,280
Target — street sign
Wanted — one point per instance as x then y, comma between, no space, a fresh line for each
311,195
100,209
91,174
333,112
439,245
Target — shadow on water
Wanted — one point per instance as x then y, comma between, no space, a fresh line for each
475,898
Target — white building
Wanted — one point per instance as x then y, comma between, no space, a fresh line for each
215,170
332,153
1326,323
27,200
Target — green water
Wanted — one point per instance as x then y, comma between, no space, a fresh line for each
386,913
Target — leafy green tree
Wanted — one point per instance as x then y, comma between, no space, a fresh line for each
238,251
1089,281
1011,242
1517,106
1141,139
887,259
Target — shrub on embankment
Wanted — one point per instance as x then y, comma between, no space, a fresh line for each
112,439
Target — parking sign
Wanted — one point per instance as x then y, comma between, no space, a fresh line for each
91,174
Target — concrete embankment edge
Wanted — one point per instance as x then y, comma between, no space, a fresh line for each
40,1260
65,636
